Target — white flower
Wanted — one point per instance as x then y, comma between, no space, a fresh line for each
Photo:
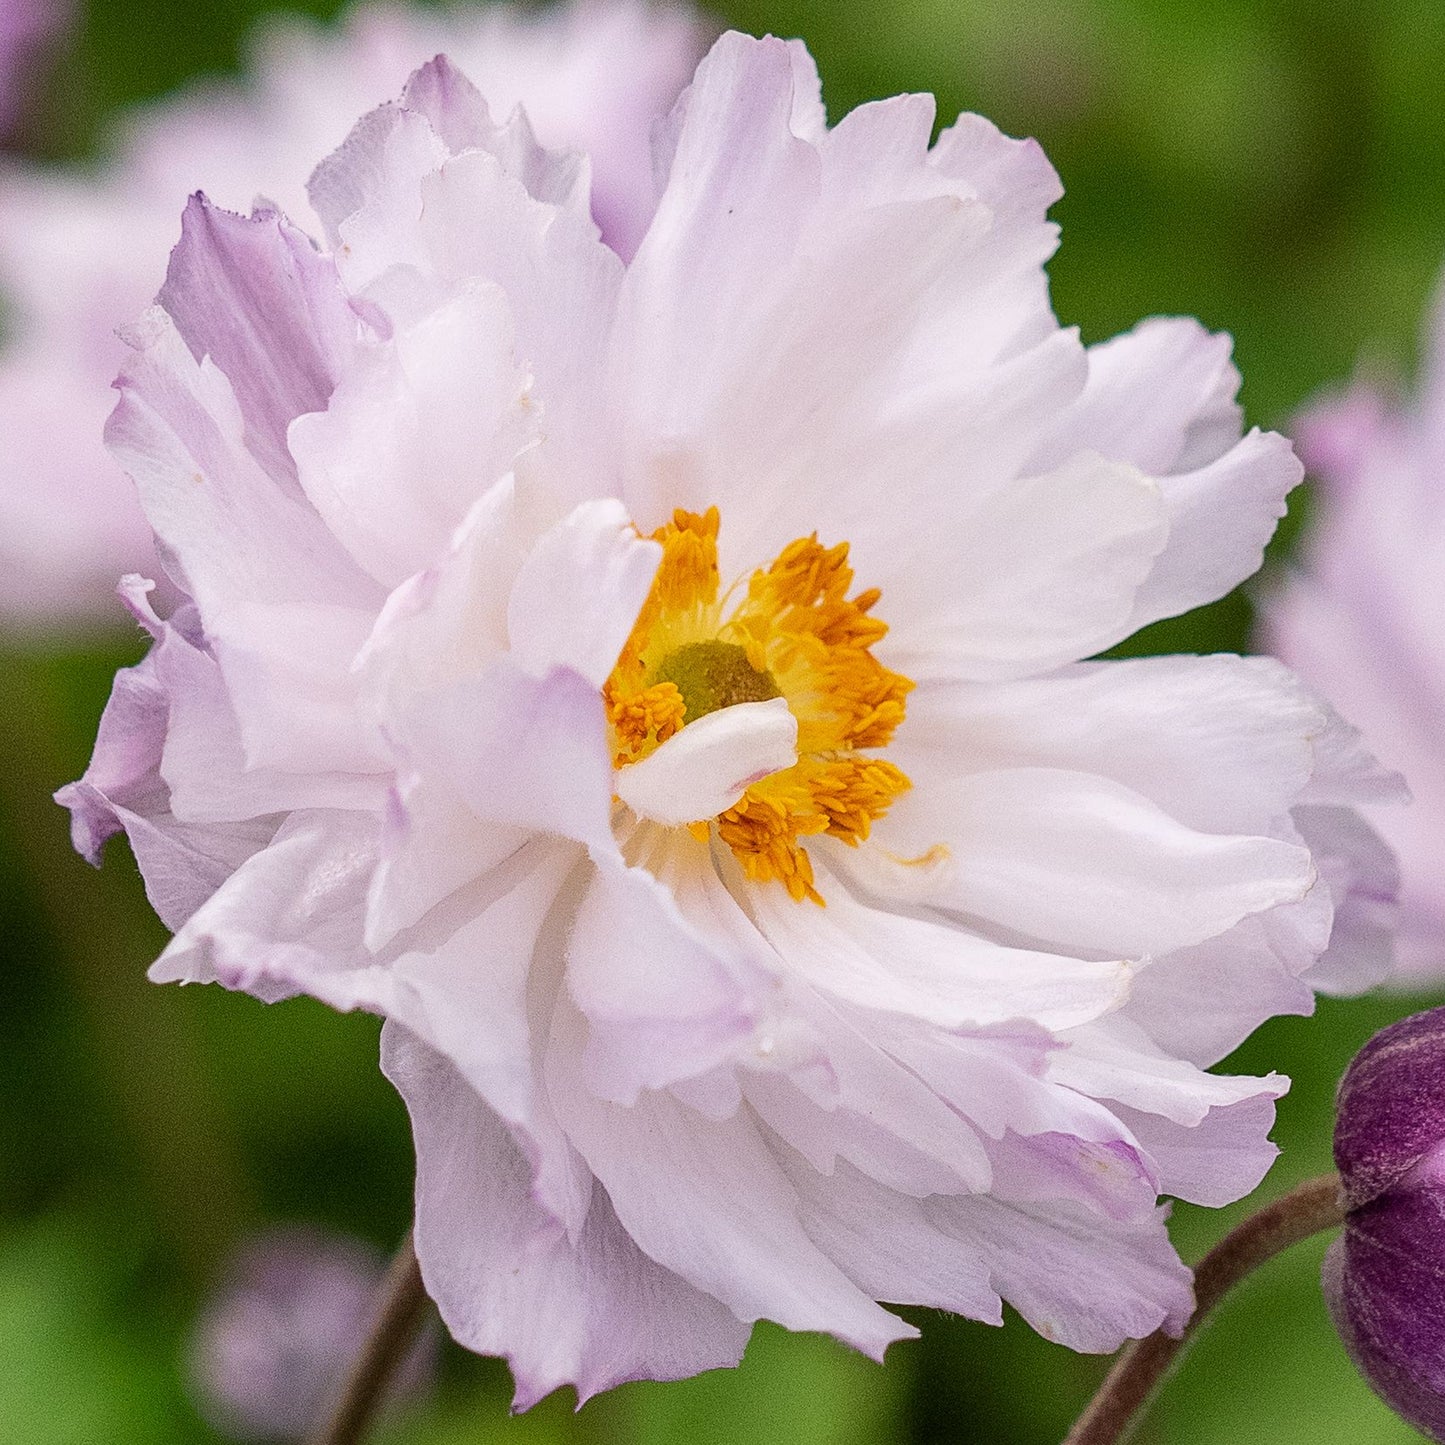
656,688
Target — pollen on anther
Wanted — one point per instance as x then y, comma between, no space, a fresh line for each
795,633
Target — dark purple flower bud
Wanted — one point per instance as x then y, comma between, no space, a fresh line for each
272,1346
1384,1277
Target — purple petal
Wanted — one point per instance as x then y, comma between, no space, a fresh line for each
1391,1106
255,295
1388,1310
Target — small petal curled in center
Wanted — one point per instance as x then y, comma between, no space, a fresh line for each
756,719
705,768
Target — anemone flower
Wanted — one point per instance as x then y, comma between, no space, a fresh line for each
657,687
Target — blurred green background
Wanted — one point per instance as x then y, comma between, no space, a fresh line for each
1272,166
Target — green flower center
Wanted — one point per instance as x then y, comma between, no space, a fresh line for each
714,675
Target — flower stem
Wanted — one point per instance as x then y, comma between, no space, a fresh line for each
1312,1207
401,1303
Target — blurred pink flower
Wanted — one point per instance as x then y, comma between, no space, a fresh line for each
26,26
275,1341
82,253
743,955
1360,615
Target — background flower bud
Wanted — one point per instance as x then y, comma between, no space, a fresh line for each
28,29
271,1348
1384,1278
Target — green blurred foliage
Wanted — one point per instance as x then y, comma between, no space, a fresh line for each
1272,166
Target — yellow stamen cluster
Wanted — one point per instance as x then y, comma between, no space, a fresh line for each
681,609
643,720
795,634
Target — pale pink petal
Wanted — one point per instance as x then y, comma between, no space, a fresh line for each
289,919
426,424
872,1111
578,593
720,231
707,767
290,616
520,751
1214,1162
1191,417
1059,856
182,864
1053,563
662,1002
1162,397
1116,1060
1248,486
927,969
998,1081
432,844
728,1222
479,222
459,114
1202,1002
591,76
1077,1279
591,1311
469,983
1226,744
204,765
889,1246
445,624
367,193
1110,1178
737,430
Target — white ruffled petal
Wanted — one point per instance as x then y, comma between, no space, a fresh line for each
1073,858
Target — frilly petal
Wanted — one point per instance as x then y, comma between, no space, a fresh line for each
591,1311
285,609
289,919
1222,743
1073,858
1216,1161
928,969
663,1002
426,421
254,295
729,1221
1163,397
1078,1279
